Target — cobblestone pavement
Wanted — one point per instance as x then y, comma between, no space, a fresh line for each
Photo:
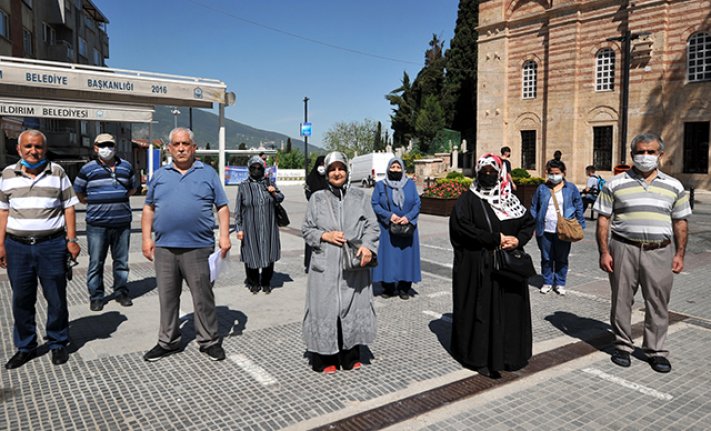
266,384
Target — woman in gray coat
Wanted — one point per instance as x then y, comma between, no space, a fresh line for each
255,224
339,315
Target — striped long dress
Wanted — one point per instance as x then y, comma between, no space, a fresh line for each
254,215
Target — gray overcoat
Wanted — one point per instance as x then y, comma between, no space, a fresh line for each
331,292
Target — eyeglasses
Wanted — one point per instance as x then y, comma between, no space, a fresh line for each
113,177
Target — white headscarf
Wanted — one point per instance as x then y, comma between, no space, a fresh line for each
500,198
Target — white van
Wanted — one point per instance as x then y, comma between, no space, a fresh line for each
369,168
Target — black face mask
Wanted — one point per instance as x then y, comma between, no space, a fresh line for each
394,176
256,172
487,181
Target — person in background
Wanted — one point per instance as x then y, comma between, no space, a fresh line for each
105,185
557,155
395,201
554,251
505,156
591,190
256,227
491,313
37,235
645,209
179,209
315,181
339,314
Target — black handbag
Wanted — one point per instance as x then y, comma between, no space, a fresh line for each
516,264
349,259
282,218
396,229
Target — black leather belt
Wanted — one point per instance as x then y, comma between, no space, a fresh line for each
642,244
31,240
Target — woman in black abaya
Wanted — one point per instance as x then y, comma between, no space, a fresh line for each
491,329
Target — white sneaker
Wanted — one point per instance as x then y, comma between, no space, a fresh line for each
546,288
560,290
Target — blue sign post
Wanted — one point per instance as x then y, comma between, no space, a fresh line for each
306,129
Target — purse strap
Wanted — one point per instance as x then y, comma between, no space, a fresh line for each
486,214
555,202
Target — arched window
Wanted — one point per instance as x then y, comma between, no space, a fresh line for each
605,70
529,80
699,57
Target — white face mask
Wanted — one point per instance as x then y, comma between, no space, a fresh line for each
107,153
555,179
321,170
645,162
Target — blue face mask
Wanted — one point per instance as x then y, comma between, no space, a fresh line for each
29,165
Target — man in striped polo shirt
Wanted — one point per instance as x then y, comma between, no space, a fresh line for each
645,209
105,185
37,229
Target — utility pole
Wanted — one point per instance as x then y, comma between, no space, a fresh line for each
306,138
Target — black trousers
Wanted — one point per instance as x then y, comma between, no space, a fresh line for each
254,278
345,358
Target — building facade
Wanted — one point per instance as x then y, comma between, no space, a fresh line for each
551,77
68,31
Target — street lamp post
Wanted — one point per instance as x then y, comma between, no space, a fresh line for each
626,40
306,138
175,111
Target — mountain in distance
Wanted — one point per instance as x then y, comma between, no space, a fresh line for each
205,127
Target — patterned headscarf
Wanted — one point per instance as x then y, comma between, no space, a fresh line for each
397,186
504,203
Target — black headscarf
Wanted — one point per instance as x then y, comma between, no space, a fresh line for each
316,181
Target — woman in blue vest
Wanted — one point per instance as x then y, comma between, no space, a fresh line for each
554,251
396,202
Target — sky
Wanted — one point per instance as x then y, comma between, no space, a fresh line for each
345,56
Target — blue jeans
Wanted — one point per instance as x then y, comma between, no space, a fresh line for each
100,239
25,264
554,258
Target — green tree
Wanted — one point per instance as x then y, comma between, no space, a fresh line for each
430,120
460,84
288,145
378,144
351,137
402,119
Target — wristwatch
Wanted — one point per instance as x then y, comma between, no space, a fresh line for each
74,240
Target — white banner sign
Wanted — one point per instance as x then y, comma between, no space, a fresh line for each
74,111
118,82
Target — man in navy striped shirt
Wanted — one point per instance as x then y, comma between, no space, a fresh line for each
105,185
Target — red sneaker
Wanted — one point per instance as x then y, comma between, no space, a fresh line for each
331,369
357,366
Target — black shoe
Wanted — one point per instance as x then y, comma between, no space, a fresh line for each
60,356
387,294
157,353
96,305
254,288
621,358
124,300
19,359
214,352
404,295
660,364
267,289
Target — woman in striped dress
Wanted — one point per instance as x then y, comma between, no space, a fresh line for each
256,227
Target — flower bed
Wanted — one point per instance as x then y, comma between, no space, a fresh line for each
440,197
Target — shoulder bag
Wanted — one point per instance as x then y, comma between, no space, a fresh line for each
568,229
350,260
397,229
515,264
282,218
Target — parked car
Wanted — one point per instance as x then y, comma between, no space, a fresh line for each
369,168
